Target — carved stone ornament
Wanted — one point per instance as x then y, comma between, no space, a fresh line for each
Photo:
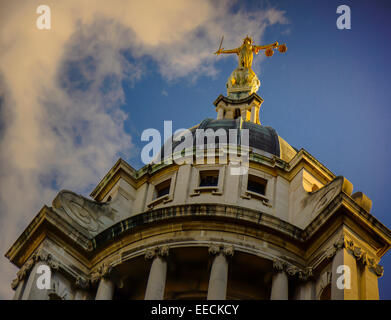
214,249
25,269
151,253
228,251
340,243
91,215
330,252
82,283
163,251
379,270
305,274
47,258
22,273
102,271
358,253
278,265
292,270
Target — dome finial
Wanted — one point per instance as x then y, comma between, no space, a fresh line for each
243,81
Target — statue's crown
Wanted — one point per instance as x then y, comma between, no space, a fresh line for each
248,38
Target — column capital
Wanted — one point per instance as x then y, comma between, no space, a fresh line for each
103,271
40,255
161,251
292,270
341,243
22,273
47,258
215,249
82,283
157,273
357,252
279,265
306,274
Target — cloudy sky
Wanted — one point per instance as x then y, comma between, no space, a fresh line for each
75,98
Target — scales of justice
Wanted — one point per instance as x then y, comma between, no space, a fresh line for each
243,81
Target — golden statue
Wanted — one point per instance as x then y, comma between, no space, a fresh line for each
243,80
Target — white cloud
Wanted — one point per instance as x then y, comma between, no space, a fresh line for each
58,128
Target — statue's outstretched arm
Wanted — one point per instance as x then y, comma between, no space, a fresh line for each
272,45
220,51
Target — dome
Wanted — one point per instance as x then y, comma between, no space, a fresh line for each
262,139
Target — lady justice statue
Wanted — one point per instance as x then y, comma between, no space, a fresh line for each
243,81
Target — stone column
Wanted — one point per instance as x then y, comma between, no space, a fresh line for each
31,290
305,289
369,282
105,289
217,289
106,284
279,281
220,113
157,274
253,114
19,287
82,285
243,114
344,266
19,283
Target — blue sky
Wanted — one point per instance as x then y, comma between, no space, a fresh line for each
89,87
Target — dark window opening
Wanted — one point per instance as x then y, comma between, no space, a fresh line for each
237,113
209,178
256,185
162,188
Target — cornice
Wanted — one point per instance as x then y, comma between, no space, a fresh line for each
199,211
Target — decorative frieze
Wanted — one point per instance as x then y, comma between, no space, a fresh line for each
358,253
292,270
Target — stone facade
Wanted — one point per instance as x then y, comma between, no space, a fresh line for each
214,242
